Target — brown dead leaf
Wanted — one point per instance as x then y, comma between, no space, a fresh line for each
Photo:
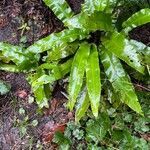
22,94
49,130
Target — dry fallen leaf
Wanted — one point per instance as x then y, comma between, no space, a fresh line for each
22,94
49,130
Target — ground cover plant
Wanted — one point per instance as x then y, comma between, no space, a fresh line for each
114,129
93,54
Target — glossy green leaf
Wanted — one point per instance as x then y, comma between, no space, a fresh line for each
13,53
124,50
60,8
137,19
18,55
9,68
41,89
40,95
93,80
57,71
96,21
66,67
119,80
82,106
40,81
61,70
38,89
57,40
44,79
3,58
77,73
90,6
60,53
143,50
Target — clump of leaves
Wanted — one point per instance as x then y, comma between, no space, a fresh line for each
83,60
61,140
24,122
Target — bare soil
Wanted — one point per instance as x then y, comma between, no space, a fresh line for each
141,34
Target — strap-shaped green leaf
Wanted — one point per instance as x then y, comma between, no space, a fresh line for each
82,106
119,79
137,19
60,8
44,79
56,40
96,21
9,68
77,73
60,53
19,56
13,53
90,6
124,50
93,80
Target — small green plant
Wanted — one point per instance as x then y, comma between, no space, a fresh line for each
24,123
113,129
4,87
23,28
90,64
62,141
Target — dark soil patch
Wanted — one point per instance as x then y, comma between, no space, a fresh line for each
16,13
17,82
12,122
75,5
141,34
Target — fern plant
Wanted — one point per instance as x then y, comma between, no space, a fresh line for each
84,61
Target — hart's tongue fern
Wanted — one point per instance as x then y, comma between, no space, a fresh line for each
85,62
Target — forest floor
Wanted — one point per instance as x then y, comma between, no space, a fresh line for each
22,125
